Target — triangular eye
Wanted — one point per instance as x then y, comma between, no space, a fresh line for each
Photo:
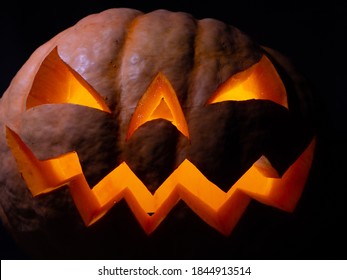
260,81
56,82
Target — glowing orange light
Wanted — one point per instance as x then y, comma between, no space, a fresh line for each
56,82
260,81
159,101
218,209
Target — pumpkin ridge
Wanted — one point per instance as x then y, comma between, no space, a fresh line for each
119,79
119,52
118,84
116,65
182,144
140,56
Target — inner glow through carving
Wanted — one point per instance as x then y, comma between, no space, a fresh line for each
260,81
56,82
159,101
219,209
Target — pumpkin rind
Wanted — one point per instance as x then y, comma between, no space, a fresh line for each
119,52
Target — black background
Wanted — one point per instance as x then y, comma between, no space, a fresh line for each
311,34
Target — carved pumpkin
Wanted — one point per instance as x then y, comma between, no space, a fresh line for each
153,110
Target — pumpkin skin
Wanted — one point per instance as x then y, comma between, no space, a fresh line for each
119,52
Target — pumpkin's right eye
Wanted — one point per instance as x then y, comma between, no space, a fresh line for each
260,81
57,83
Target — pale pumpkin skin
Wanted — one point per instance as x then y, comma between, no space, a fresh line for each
119,52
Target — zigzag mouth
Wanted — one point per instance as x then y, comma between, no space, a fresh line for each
217,208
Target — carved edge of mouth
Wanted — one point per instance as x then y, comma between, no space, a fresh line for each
219,209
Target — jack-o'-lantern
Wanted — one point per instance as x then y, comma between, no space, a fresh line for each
152,110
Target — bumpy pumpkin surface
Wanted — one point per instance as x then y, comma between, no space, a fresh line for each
119,52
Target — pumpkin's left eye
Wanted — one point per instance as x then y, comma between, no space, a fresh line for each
260,81
57,83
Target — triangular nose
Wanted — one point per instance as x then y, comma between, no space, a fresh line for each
162,111
159,102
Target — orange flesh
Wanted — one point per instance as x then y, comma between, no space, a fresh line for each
218,209
159,101
56,82
260,81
